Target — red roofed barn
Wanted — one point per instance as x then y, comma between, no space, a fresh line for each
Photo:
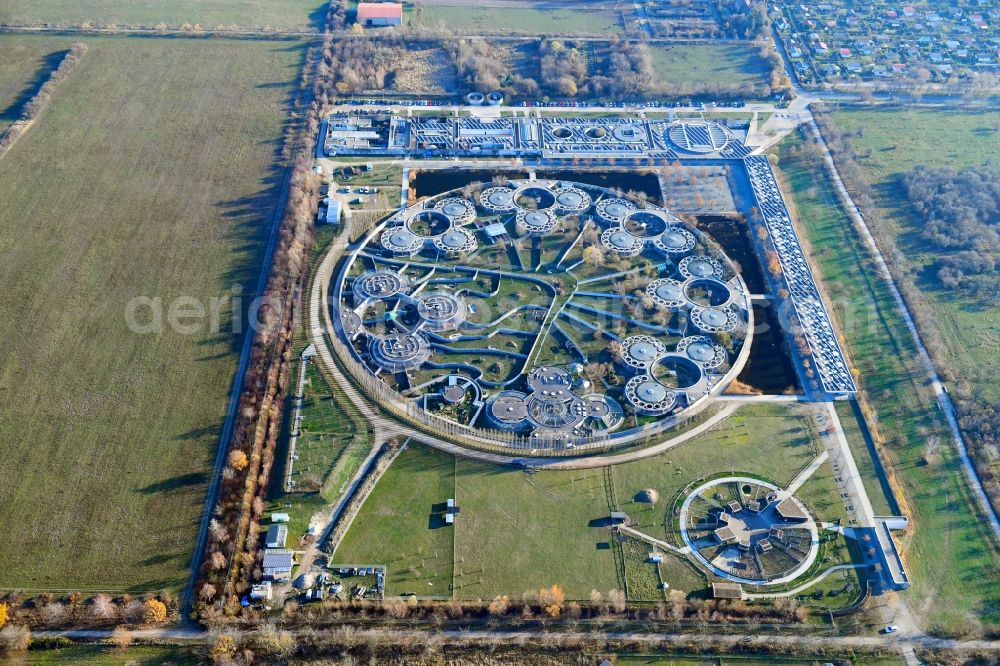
371,14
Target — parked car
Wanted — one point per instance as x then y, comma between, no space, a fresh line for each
890,629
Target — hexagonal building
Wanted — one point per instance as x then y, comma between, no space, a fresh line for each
441,311
455,241
535,222
399,352
571,200
621,242
379,285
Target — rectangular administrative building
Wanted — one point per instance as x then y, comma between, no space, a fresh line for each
374,14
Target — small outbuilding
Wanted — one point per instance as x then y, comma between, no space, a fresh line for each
261,591
380,14
277,535
333,211
727,591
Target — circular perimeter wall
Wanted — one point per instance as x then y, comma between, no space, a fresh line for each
541,315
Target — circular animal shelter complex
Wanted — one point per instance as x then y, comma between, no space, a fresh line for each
542,314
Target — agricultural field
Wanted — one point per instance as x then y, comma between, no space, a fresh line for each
518,532
481,19
954,588
935,139
109,431
247,14
700,65
27,62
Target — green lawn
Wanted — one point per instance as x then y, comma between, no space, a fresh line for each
274,14
526,20
954,585
106,655
701,65
774,441
936,139
402,526
27,62
332,444
821,494
863,459
518,531
151,174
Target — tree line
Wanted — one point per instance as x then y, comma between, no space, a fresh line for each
232,557
958,211
40,100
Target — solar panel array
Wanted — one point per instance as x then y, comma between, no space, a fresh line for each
803,293
487,133
554,137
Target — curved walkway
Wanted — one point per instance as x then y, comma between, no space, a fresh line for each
804,586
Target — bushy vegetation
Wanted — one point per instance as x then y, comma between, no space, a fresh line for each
356,64
959,208
952,583
41,99
738,21
943,254
557,68
479,65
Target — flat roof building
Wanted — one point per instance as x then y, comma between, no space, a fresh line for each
261,591
377,14
278,564
276,536
333,211
727,590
